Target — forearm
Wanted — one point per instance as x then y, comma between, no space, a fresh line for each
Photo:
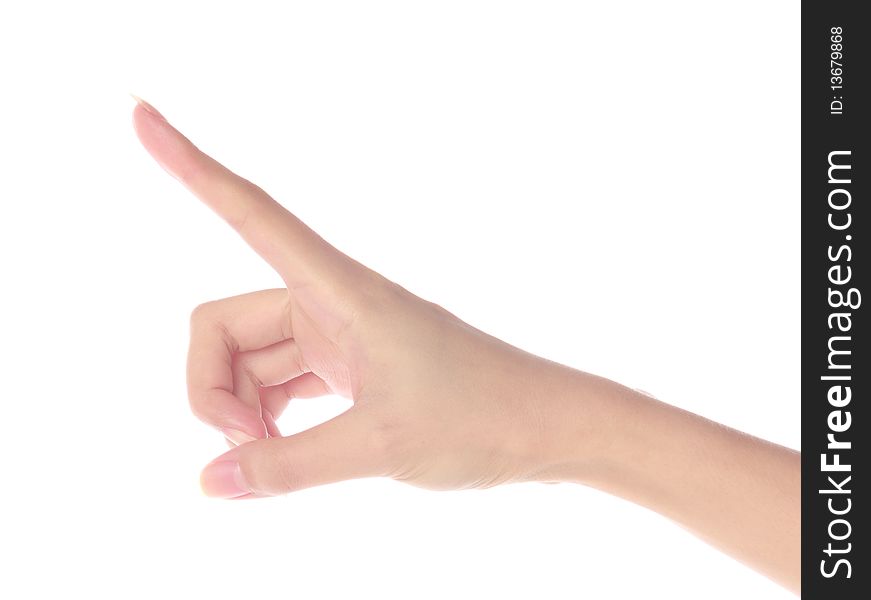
737,492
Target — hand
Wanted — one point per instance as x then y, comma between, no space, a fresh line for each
437,403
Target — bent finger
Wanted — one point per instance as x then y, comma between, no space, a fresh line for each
276,398
219,330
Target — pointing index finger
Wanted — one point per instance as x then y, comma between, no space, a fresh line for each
285,242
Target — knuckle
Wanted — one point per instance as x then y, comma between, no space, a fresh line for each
202,313
239,220
267,470
241,367
199,404
378,299
288,475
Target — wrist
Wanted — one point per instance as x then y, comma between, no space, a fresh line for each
579,424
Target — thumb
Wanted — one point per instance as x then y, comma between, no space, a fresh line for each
342,448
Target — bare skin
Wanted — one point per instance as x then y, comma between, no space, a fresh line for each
437,403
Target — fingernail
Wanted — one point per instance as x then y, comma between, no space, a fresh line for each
236,436
148,107
223,479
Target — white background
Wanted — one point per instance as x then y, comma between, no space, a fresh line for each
611,185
